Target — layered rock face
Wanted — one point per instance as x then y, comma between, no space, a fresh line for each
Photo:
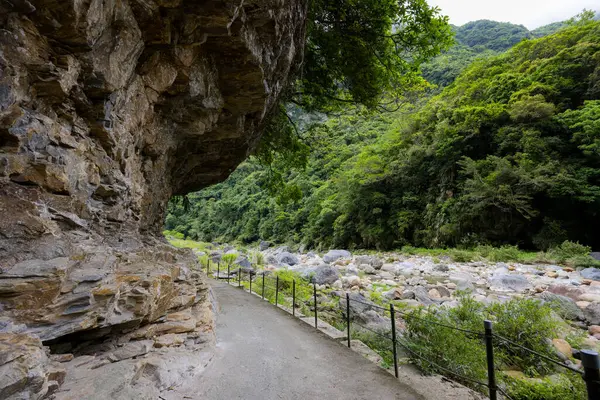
107,109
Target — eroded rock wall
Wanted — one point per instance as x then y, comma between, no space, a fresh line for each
107,109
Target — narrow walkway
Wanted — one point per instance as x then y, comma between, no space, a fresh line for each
264,353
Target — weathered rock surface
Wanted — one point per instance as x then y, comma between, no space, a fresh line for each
333,255
26,372
323,274
107,109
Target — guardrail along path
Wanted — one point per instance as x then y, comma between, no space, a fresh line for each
264,353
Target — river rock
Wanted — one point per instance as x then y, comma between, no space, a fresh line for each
422,296
566,307
264,245
288,258
353,280
567,291
243,263
441,268
333,255
505,282
591,273
592,313
323,275
462,280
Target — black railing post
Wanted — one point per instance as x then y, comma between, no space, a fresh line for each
263,289
218,270
239,277
393,317
276,290
591,373
208,267
315,297
294,297
348,316
489,348
228,272
250,278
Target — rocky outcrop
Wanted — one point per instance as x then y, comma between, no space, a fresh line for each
107,109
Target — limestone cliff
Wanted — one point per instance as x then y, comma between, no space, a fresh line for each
107,109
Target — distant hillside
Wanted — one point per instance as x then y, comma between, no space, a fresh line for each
491,35
479,39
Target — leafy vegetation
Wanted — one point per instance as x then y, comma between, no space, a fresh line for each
506,155
525,321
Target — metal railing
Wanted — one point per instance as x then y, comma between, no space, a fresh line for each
590,360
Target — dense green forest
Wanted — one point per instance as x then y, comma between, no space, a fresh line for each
507,153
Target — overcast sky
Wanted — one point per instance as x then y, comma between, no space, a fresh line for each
531,13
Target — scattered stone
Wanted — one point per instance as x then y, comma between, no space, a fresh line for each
441,268
243,263
263,245
170,340
591,273
594,329
324,274
373,261
61,358
504,282
462,280
568,291
394,294
353,280
582,304
434,294
389,268
422,296
592,313
130,350
540,289
333,255
590,297
285,257
385,275
563,348
566,307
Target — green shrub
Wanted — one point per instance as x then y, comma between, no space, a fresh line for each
584,262
529,323
257,258
460,255
524,321
569,250
565,386
228,259
173,234
204,260
505,253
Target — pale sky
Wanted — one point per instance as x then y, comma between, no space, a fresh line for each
531,13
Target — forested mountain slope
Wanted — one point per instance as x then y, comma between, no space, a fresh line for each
478,39
508,153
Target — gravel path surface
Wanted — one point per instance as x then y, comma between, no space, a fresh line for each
264,353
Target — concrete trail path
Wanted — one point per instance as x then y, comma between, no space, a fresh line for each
264,353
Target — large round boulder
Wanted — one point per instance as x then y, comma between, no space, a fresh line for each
333,255
591,273
287,258
323,274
